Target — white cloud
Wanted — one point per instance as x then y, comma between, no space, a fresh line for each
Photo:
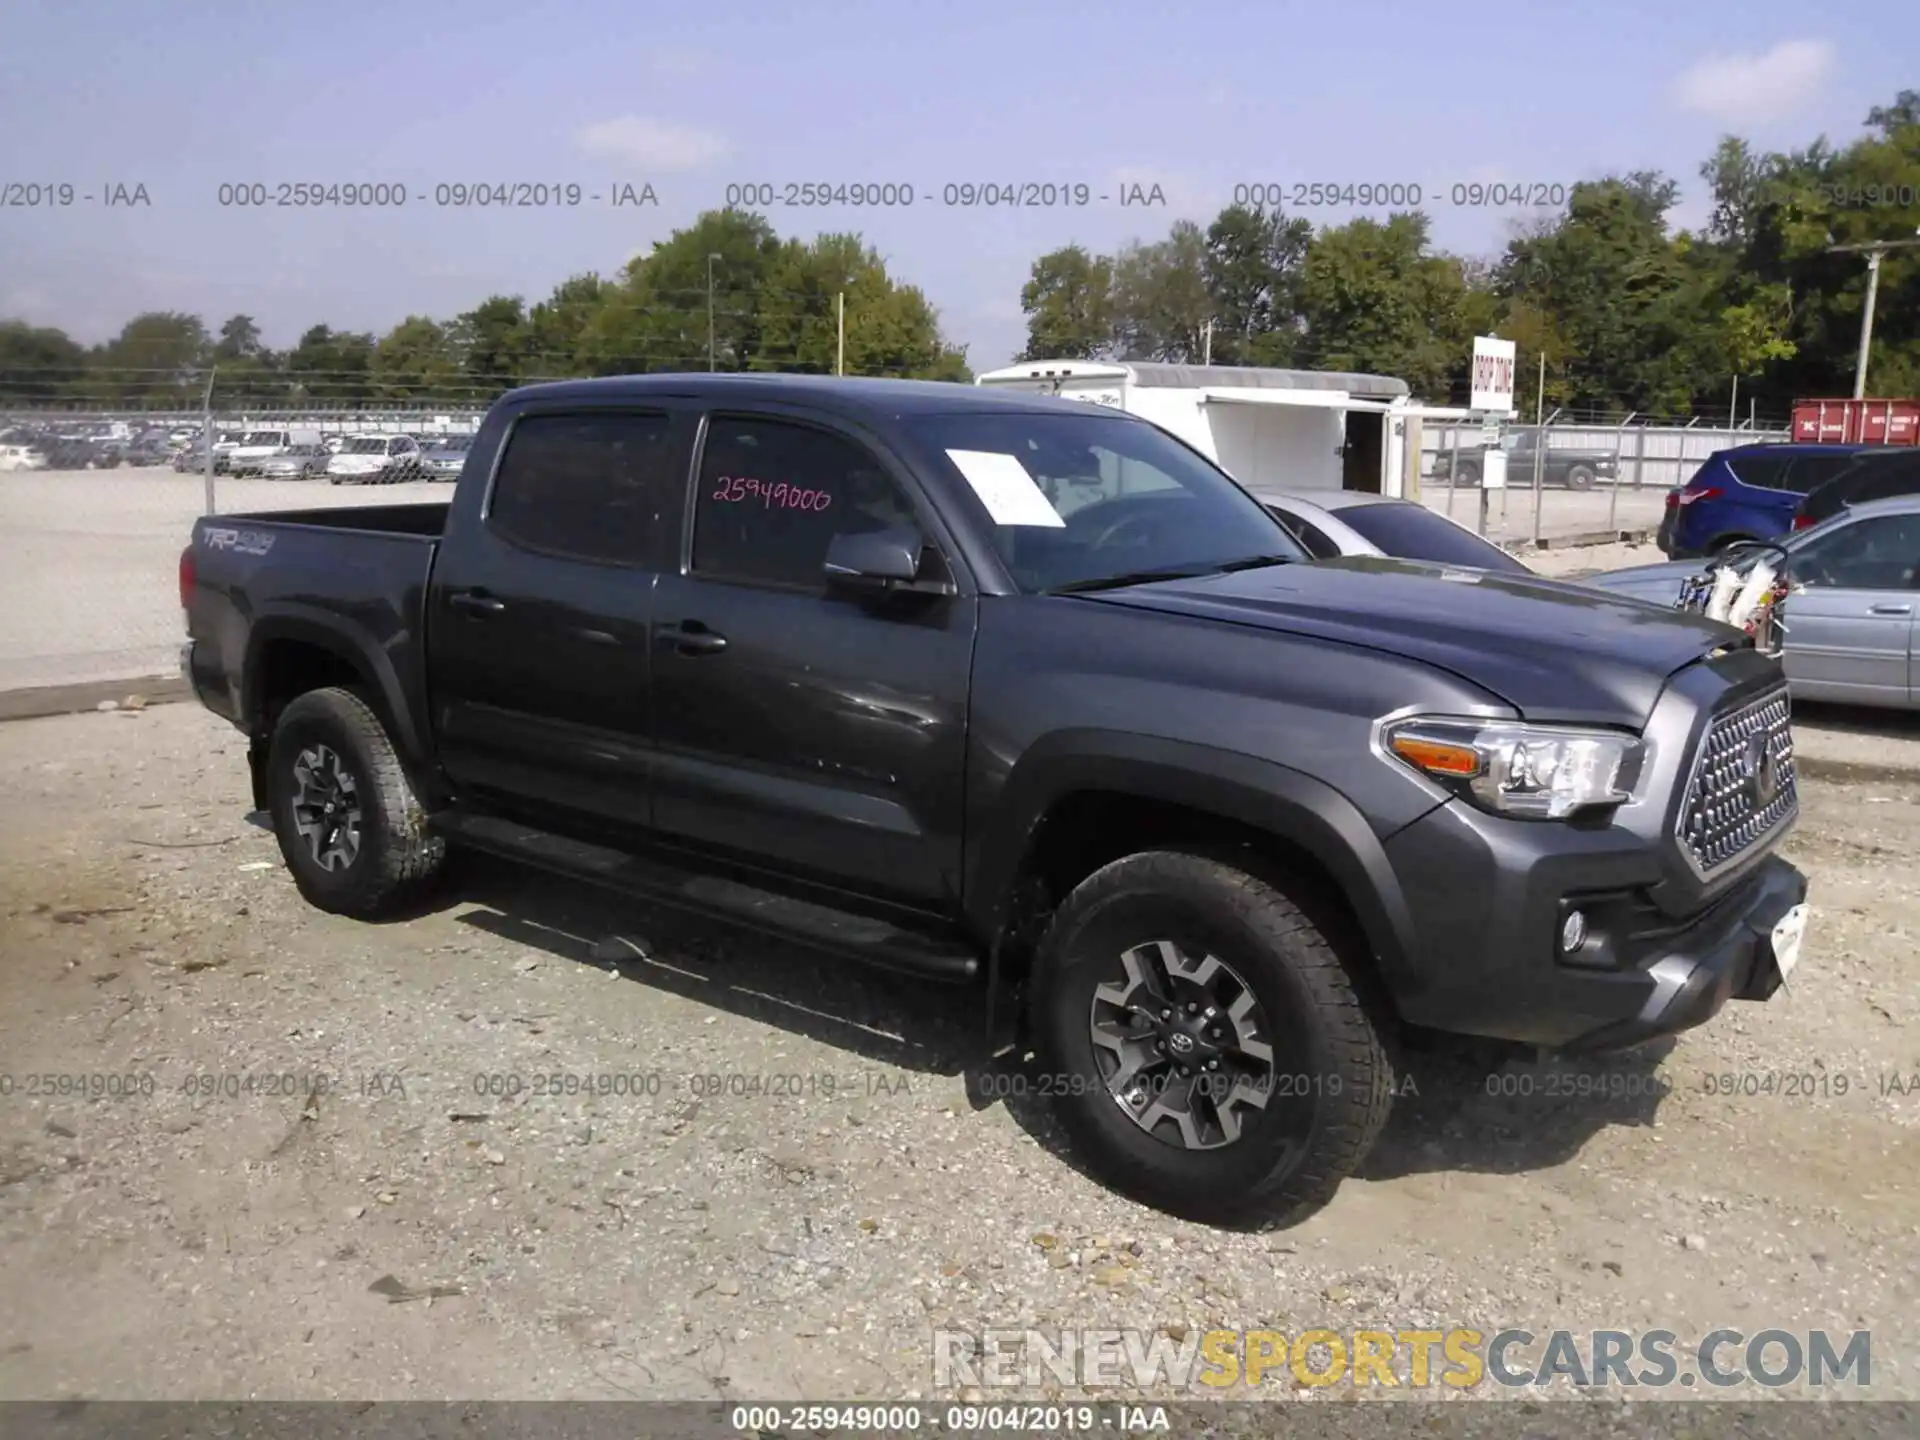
1746,88
653,144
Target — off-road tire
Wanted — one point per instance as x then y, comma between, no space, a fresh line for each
1272,1173
398,856
1580,477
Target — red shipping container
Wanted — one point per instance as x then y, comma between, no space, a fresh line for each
1856,422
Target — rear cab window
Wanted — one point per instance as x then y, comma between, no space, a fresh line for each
601,486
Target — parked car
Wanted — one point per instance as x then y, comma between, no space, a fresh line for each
77,452
1876,474
1748,492
1575,467
296,462
148,450
1849,617
442,460
816,655
22,457
1329,523
257,446
375,460
193,457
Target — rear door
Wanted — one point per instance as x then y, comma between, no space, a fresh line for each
1850,619
538,618
816,731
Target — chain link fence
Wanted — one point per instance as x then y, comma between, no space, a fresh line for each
1591,480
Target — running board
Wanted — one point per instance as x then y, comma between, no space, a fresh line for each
801,922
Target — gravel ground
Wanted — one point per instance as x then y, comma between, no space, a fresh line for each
703,1238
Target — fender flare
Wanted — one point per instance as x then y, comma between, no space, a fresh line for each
340,636
1284,802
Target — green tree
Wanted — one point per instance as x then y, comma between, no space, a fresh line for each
557,327
1376,301
1252,268
39,365
418,361
1160,302
493,341
158,359
1068,302
331,367
891,329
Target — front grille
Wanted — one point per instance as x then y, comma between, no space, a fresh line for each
1742,787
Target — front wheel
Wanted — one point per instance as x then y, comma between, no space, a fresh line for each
1207,1050
351,829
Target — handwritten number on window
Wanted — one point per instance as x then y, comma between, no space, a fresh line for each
772,495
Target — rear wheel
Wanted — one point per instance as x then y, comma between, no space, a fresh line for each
1206,1049
1466,473
351,829
1580,477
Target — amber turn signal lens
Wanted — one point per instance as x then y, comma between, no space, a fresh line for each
1436,757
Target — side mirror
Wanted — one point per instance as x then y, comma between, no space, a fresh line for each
875,559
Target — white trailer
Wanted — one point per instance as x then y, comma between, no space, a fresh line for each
1272,429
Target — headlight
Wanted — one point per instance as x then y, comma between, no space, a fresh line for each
1533,772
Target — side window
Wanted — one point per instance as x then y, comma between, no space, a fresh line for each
1813,470
772,495
1763,472
1881,553
591,486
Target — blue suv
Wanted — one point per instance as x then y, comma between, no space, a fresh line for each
1747,493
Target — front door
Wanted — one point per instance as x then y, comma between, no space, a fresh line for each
818,731
537,646
1850,621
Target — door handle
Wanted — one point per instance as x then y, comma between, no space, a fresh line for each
1890,609
693,638
598,637
476,602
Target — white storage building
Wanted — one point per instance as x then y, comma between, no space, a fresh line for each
1268,428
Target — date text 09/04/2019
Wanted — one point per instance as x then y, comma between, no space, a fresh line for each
962,1419
441,195
1399,195
953,195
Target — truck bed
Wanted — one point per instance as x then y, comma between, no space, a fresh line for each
358,571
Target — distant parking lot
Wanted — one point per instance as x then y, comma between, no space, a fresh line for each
89,589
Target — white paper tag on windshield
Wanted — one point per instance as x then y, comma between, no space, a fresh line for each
1006,489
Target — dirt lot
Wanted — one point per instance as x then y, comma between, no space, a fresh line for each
685,1237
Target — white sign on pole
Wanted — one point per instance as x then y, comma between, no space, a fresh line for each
1492,375
1493,470
1490,431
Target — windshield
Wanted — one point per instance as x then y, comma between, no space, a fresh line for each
453,443
265,437
1078,500
370,445
1413,532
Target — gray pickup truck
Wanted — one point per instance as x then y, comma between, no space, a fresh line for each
1574,467
1220,823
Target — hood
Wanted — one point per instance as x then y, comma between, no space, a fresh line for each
1556,652
356,462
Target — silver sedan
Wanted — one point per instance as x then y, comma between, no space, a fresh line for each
1353,522
1850,615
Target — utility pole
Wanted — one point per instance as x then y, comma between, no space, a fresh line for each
1206,344
710,262
840,327
1873,250
206,419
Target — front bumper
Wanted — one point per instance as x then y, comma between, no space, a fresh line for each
1488,897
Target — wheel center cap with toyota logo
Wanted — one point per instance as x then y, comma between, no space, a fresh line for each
1180,1043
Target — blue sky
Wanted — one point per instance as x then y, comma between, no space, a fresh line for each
181,97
